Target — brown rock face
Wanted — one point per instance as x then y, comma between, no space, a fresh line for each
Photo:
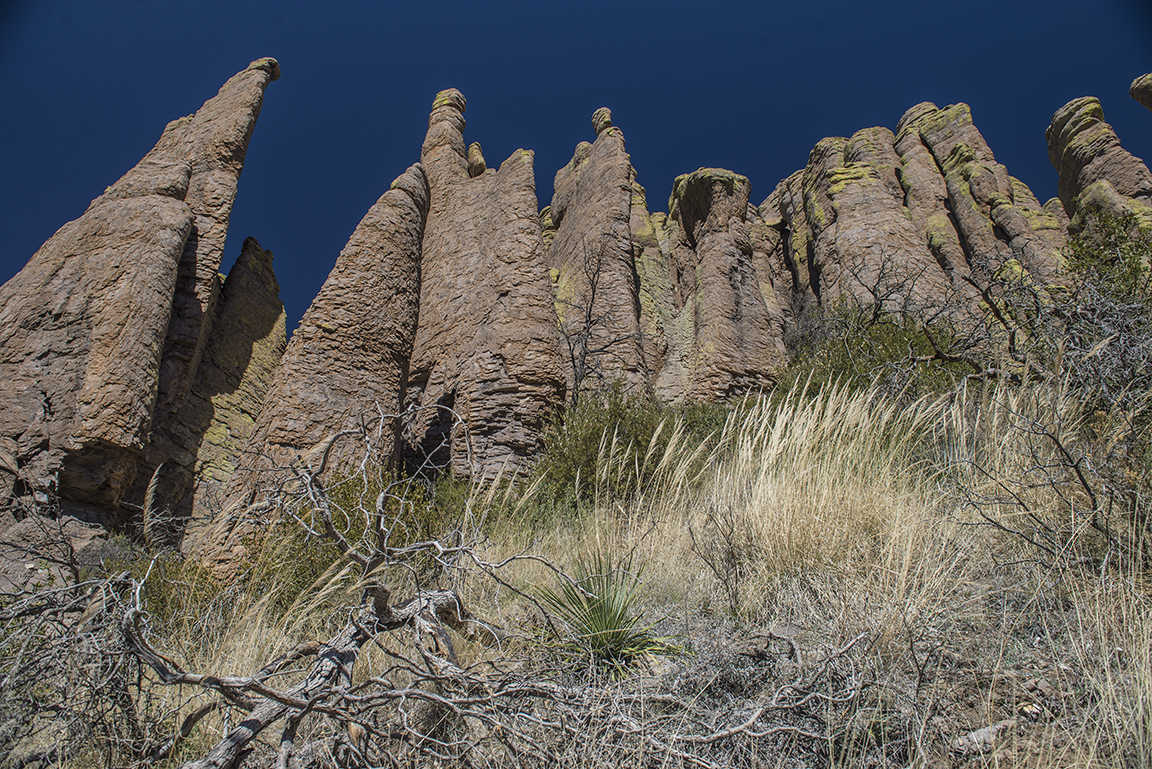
215,141
680,305
904,219
199,451
346,363
1095,172
1141,90
590,259
864,244
786,220
83,327
81,331
722,336
487,346
997,216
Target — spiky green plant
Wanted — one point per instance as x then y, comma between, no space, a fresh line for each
600,608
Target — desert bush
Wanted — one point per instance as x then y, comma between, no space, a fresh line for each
861,345
610,445
300,554
601,608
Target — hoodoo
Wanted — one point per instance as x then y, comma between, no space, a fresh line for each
139,387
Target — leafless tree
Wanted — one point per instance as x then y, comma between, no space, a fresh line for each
593,343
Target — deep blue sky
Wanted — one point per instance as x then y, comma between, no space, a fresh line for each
88,86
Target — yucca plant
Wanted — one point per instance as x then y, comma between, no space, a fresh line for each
600,608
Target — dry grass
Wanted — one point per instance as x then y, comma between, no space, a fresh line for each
834,513
948,535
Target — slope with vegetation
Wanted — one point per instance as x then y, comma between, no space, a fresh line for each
929,547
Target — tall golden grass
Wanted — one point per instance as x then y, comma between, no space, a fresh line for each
832,512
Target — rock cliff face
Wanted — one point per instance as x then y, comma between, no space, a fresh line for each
345,367
487,346
907,218
671,305
459,314
591,264
722,329
112,310
1096,173
188,464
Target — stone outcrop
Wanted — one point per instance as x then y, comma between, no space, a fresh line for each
487,346
111,310
215,141
906,219
1141,90
672,305
81,332
590,262
458,316
345,367
188,464
1095,172
721,329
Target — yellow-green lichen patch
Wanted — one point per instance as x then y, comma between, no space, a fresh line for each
217,434
958,158
815,212
1039,219
644,234
842,176
639,195
1102,196
684,183
449,98
563,286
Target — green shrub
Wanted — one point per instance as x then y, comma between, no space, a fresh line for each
609,445
1114,252
856,345
601,609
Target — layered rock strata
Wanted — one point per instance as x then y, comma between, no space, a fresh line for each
1095,172
215,141
486,367
111,310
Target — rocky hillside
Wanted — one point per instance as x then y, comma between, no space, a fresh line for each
133,377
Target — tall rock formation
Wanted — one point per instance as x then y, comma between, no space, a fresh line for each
591,264
672,305
81,331
722,330
188,464
215,141
459,316
1141,90
907,219
487,346
1095,172
96,323
344,369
